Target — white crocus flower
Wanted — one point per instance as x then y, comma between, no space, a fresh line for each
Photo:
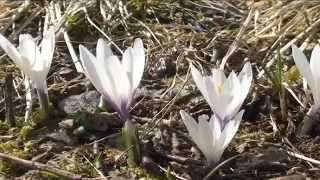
33,60
311,72
210,136
116,80
224,95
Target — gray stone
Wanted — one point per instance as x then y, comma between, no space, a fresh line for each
87,101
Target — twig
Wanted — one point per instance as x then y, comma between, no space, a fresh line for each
103,33
148,29
17,15
207,177
300,156
288,45
26,23
234,46
172,173
8,96
104,138
168,105
94,167
40,166
123,154
74,57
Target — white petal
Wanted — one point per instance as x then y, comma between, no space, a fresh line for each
11,51
315,69
240,87
103,51
47,48
303,66
119,80
90,69
246,73
191,124
245,77
232,96
28,49
200,134
102,65
205,139
217,149
134,61
204,83
127,64
218,76
230,130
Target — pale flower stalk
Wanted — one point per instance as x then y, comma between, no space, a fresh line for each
116,80
225,97
34,61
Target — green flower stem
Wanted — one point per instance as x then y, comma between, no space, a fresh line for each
131,143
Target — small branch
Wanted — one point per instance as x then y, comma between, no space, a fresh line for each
300,156
8,96
312,27
40,166
182,160
219,166
235,45
74,57
95,168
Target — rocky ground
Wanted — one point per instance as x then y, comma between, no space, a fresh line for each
81,141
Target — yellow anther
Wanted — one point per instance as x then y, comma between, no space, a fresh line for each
220,88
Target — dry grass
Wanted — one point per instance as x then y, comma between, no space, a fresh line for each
176,33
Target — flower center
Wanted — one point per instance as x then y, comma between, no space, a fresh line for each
220,88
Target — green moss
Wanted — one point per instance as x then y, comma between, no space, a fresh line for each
141,173
12,148
78,165
40,119
49,176
292,76
78,27
4,126
26,132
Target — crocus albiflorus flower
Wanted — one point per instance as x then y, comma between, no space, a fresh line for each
311,72
224,95
210,136
116,80
33,60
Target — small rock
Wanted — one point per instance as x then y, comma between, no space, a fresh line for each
150,165
62,136
100,121
67,124
87,101
79,131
